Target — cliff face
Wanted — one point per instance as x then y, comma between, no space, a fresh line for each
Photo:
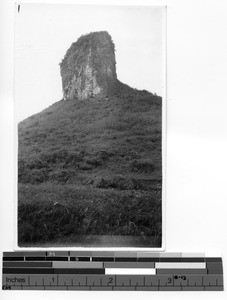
88,69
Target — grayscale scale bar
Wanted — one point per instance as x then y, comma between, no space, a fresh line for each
180,265
18,264
125,254
181,271
79,265
13,254
80,253
35,253
103,253
129,265
57,253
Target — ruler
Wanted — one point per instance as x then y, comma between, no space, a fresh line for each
106,270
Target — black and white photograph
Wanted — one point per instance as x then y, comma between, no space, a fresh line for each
90,119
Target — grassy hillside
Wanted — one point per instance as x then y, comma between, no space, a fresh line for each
91,167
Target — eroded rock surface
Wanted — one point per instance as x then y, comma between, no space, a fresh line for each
88,69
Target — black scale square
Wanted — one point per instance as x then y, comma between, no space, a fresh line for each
126,259
102,258
79,258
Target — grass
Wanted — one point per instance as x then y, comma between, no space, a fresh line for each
51,213
91,167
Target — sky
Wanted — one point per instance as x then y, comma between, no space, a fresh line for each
44,32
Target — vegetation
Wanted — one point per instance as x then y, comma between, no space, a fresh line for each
91,167
69,211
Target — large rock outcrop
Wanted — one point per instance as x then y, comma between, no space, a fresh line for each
88,69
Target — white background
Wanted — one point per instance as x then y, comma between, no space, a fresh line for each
196,191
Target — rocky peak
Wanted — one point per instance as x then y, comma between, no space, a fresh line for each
88,69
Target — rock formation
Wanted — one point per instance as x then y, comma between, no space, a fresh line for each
88,69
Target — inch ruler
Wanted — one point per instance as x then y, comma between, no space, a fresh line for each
106,270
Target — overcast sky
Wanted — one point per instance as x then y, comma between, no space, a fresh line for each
43,33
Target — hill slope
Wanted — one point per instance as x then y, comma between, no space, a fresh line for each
102,159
